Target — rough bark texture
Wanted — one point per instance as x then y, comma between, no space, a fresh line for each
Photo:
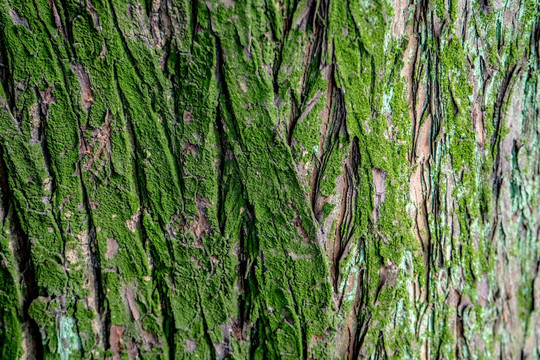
269,179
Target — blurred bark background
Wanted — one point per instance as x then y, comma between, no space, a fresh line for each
297,179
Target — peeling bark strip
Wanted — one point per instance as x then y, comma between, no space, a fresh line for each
259,179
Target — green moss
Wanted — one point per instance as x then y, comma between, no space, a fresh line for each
52,277
11,320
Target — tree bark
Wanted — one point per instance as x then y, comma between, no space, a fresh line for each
303,179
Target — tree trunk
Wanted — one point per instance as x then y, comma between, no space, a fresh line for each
304,179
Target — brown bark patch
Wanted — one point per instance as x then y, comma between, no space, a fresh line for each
131,303
201,225
87,97
57,19
101,142
132,350
379,179
191,149
227,3
133,223
46,96
482,290
17,19
191,346
93,12
150,339
187,117
220,350
478,122
116,339
112,248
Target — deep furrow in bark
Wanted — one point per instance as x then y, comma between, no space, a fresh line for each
26,268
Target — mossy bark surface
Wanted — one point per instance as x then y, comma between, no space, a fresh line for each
296,179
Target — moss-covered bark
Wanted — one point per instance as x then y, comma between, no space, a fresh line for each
269,179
